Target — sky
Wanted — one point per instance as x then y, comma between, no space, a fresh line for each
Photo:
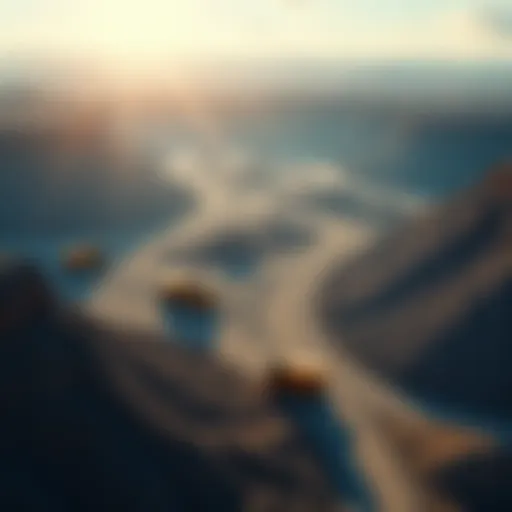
138,33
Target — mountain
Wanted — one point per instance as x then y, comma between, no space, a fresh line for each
430,307
93,419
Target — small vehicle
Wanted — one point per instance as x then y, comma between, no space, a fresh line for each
290,379
82,258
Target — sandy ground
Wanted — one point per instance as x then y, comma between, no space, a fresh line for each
271,317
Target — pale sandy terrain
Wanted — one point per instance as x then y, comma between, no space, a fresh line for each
271,317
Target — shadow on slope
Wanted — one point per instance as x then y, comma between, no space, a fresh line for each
430,307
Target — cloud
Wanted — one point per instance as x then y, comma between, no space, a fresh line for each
498,22
451,35
479,25
167,31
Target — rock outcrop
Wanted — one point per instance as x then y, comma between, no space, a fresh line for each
99,420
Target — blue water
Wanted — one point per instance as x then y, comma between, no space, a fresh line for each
419,156
46,252
333,445
428,155
192,328
46,209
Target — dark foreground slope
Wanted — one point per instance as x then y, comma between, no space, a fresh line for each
430,308
480,483
95,420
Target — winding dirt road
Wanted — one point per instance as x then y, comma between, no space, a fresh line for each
270,316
